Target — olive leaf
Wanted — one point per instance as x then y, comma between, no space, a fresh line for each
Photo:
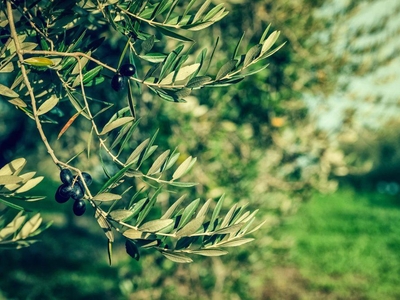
106,197
173,207
156,166
226,69
39,61
120,214
155,225
191,227
176,257
7,92
115,124
267,44
183,168
104,224
48,105
182,74
209,252
9,179
188,212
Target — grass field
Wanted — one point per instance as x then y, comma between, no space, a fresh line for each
347,246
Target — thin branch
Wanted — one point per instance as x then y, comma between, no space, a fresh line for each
19,52
102,143
150,22
98,62
25,10
158,85
77,55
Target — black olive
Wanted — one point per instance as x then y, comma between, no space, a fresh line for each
79,207
77,192
127,70
66,176
118,82
63,193
86,177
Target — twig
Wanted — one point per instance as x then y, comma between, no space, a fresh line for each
23,11
81,54
150,22
102,143
27,82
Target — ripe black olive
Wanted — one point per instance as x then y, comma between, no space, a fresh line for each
77,192
66,176
127,70
79,207
86,177
118,82
63,193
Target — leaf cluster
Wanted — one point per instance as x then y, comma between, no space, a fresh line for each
180,230
16,231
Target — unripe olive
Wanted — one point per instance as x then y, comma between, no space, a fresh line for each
79,207
118,82
127,70
66,176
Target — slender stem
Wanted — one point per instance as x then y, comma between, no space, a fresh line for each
150,22
102,143
25,11
81,54
27,82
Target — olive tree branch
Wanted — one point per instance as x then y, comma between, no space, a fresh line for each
27,82
98,62
33,101
77,55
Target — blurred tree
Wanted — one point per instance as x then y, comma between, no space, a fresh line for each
363,41
361,109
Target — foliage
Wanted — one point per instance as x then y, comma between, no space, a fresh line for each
17,230
54,51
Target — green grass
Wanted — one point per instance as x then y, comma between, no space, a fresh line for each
347,246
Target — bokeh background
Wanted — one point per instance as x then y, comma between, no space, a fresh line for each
312,142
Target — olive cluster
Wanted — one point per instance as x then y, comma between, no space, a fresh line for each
72,187
118,81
